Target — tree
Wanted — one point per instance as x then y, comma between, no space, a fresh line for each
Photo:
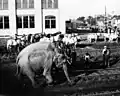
91,20
94,22
81,19
100,18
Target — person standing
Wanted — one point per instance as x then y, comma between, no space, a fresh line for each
87,62
106,56
73,56
16,37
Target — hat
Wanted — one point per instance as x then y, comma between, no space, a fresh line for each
105,46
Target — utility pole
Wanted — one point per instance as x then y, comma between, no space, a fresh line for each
42,14
105,11
95,20
105,15
16,19
105,21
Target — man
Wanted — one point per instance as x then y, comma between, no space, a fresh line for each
106,56
60,44
73,56
23,38
87,60
23,42
16,37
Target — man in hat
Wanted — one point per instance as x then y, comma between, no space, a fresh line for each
106,56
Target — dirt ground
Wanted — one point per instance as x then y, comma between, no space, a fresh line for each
11,86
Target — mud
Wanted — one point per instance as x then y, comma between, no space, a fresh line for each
11,86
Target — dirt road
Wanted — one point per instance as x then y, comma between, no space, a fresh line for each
11,86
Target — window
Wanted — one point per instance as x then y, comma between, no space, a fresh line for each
31,3
32,25
47,23
3,4
19,22
50,22
53,24
55,3
50,4
18,3
1,22
25,4
0,4
4,22
44,4
25,22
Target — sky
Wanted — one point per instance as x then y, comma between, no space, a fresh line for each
75,8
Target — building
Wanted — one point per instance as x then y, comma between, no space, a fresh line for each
30,16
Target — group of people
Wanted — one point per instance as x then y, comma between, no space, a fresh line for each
16,44
106,58
65,43
70,51
45,54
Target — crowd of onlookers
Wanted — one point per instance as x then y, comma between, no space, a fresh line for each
65,42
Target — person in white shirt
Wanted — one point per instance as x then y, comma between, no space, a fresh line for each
23,38
106,56
87,60
87,63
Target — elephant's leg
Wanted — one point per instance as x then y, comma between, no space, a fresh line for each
31,76
47,71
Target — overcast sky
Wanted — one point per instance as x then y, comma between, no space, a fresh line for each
76,8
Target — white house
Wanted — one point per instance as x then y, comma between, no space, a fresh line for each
29,16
